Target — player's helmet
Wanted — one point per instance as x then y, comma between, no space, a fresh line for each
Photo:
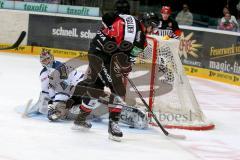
122,7
145,19
166,10
149,19
154,18
108,19
46,58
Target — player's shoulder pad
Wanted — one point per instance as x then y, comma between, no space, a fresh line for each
56,64
62,69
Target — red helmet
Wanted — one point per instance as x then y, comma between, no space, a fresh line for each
166,10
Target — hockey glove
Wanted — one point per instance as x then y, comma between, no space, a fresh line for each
136,51
121,63
57,111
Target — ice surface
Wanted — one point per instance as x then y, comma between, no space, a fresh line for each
38,139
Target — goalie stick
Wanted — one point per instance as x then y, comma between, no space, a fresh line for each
148,108
17,43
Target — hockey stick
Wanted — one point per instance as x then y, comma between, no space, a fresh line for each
149,110
17,43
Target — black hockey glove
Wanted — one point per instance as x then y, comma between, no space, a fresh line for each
122,64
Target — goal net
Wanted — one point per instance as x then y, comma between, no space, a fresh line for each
159,76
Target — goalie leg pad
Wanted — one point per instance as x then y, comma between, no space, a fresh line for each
57,110
41,106
134,117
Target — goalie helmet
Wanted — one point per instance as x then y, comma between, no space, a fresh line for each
46,58
122,7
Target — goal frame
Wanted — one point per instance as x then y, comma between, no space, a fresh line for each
155,42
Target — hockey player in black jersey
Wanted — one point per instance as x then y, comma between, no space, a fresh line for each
111,55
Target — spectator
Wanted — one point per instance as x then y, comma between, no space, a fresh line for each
232,19
238,14
226,23
238,6
167,27
184,17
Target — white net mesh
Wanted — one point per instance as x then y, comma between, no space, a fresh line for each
160,78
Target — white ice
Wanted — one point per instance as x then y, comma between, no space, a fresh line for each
33,139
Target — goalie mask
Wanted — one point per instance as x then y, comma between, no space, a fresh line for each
46,58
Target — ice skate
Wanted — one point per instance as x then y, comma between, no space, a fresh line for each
114,131
80,122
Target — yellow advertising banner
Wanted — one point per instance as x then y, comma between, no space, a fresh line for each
61,53
212,75
18,50
32,50
189,70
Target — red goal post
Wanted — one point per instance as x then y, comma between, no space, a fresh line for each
165,86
